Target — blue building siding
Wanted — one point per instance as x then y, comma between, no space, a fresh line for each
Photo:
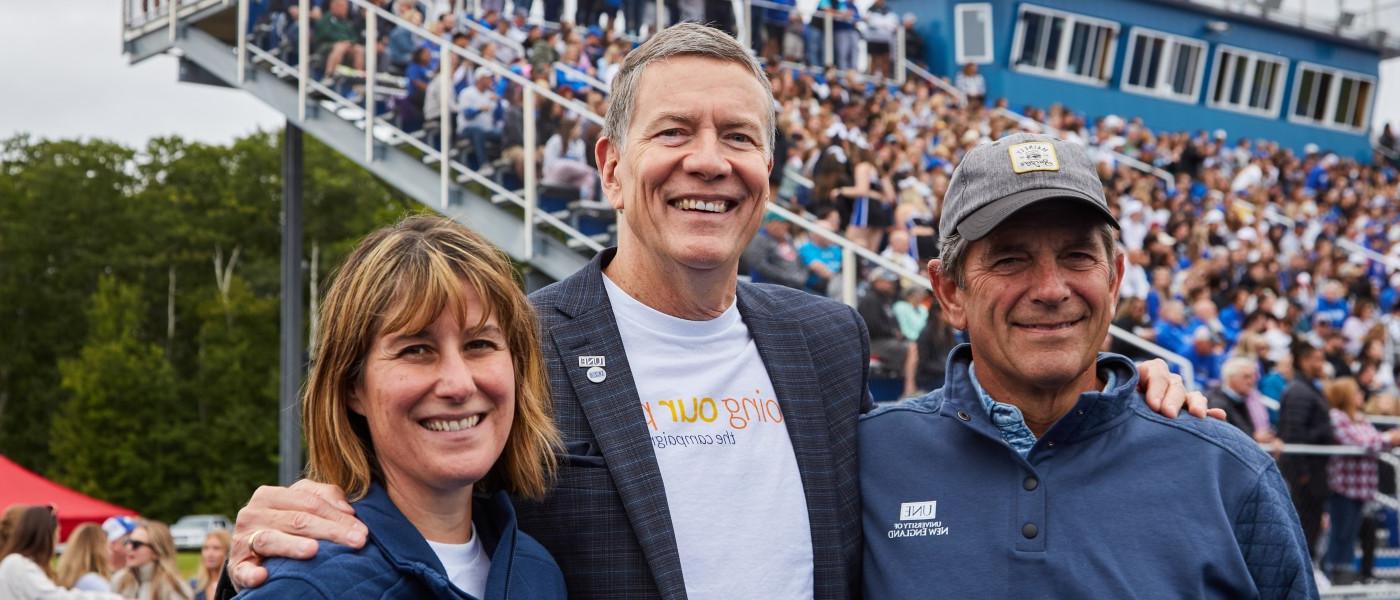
1020,88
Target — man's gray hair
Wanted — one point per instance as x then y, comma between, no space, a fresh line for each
682,39
952,253
1237,365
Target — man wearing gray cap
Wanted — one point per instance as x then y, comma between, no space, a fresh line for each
1056,481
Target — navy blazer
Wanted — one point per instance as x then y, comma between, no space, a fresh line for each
397,562
606,521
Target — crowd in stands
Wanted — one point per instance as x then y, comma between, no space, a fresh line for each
1246,258
123,558
1235,253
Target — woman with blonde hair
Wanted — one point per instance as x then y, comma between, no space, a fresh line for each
84,564
1352,479
28,535
427,402
211,563
151,573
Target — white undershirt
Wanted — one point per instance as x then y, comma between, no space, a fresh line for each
467,564
721,442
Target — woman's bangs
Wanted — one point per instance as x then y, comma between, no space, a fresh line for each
428,289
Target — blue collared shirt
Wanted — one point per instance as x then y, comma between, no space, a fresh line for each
1008,419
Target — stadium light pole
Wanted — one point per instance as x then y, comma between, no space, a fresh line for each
293,362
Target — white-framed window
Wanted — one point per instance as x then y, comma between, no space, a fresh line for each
1246,81
1161,64
972,30
1331,97
1064,45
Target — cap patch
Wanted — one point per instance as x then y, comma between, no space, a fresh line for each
1033,156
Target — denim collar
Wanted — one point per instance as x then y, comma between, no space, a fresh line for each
404,546
1094,412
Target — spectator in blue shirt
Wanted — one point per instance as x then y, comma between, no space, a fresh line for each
402,43
1207,355
1332,304
1172,330
823,261
1232,316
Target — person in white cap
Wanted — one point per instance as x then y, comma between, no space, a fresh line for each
478,119
117,530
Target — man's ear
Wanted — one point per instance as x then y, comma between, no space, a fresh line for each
605,153
948,294
1120,262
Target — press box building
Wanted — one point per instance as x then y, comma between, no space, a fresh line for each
1242,66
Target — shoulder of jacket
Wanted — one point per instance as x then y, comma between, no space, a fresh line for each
1209,434
794,302
333,566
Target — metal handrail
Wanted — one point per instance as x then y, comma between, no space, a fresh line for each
1361,591
161,18
1391,458
373,121
495,37
1272,214
390,79
829,18
942,84
1188,371
496,67
798,178
575,73
1354,248
1324,450
1274,405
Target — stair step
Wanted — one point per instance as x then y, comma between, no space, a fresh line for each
601,238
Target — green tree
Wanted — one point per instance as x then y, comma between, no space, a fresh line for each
121,435
164,398
236,383
65,218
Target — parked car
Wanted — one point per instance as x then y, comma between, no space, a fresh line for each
190,530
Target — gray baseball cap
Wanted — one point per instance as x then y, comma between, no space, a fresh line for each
995,180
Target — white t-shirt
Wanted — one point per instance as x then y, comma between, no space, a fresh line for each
467,564
731,478
477,108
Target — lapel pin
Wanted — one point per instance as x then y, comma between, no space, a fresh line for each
585,362
597,374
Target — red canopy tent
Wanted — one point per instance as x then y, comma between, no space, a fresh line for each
22,486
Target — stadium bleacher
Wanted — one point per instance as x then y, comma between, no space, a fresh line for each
1217,214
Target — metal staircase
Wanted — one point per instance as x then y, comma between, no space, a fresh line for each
204,33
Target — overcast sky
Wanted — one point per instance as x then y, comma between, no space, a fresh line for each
65,76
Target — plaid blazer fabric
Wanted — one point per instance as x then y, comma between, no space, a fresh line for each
606,521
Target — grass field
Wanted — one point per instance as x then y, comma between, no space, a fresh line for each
189,563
